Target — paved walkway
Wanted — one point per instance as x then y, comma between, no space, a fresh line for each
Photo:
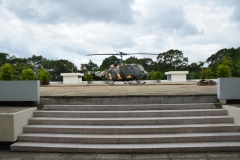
187,88
7,155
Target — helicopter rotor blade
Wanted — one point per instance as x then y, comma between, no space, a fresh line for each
102,54
145,53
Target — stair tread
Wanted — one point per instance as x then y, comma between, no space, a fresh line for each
128,118
128,111
129,135
131,126
126,146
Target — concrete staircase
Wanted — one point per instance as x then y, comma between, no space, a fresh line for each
130,128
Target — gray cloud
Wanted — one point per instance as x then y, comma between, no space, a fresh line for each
229,3
66,29
73,11
236,13
171,19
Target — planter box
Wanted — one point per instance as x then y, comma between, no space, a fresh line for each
20,91
228,89
12,121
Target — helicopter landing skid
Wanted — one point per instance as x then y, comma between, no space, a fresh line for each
111,82
139,82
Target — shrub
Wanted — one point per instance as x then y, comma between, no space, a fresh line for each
27,74
223,71
151,75
44,75
88,77
206,74
6,72
158,75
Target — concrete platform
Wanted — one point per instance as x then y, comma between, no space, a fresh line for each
154,93
6,154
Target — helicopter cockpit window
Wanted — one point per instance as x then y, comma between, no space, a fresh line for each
129,69
141,67
135,68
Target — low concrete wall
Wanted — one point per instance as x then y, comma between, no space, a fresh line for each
228,89
11,124
20,91
234,112
98,100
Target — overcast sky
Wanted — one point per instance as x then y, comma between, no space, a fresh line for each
70,29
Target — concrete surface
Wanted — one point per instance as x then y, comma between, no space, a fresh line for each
12,121
153,93
184,88
5,154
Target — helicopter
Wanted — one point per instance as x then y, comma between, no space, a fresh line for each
120,72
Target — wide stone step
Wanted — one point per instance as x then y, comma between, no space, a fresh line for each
136,113
131,121
126,148
131,107
130,138
132,129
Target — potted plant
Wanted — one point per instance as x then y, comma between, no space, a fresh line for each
227,86
6,72
44,76
88,78
27,74
158,76
17,90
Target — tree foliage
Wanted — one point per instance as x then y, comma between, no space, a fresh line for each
206,74
229,57
6,72
223,71
44,75
27,74
108,61
91,66
166,61
3,58
172,60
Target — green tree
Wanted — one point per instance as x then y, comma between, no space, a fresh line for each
6,72
223,71
193,75
226,61
194,70
172,60
91,66
108,61
147,63
3,58
56,67
226,57
132,60
37,62
206,74
238,67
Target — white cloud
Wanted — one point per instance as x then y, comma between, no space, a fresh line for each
71,29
